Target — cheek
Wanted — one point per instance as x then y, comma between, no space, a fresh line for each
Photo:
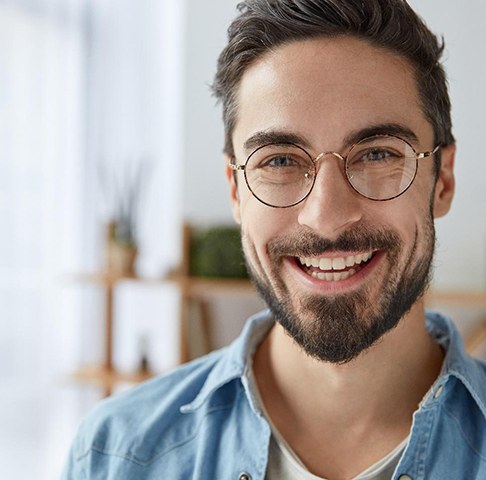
261,223
410,217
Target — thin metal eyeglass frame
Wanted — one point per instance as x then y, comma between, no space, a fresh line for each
418,156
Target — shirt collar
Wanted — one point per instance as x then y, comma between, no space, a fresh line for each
457,363
236,361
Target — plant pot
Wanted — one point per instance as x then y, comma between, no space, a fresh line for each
120,259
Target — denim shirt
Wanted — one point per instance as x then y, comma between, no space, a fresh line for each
203,422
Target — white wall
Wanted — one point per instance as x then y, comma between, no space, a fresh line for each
205,193
461,255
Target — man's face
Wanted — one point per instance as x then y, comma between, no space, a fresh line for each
338,270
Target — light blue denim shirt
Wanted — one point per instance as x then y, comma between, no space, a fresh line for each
202,421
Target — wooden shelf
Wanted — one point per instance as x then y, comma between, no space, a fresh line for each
458,298
198,286
108,378
191,288
194,286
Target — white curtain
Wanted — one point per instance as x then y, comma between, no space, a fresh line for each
42,51
81,82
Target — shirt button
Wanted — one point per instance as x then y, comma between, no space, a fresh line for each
244,476
404,477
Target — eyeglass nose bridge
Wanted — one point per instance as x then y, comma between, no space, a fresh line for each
320,157
325,154
345,168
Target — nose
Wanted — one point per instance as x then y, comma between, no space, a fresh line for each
332,206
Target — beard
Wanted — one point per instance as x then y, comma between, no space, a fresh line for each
338,328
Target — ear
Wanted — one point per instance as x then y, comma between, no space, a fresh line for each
445,185
234,198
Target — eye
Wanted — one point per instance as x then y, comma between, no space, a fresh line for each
374,156
280,161
377,155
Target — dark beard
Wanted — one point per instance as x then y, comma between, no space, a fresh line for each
340,328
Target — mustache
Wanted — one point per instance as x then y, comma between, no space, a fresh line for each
309,244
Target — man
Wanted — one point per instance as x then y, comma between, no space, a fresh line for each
340,155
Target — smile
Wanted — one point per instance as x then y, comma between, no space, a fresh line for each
335,269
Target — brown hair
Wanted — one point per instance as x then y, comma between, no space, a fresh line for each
391,24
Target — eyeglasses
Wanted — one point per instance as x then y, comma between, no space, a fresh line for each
380,167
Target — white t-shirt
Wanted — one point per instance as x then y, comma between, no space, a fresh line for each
284,464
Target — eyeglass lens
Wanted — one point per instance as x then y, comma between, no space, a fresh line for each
379,168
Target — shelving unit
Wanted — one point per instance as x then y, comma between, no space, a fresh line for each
191,289
197,289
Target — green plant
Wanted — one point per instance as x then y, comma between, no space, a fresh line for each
217,252
122,189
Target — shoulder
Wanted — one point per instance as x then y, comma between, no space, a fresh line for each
146,421
169,425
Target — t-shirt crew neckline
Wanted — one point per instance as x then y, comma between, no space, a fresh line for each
284,464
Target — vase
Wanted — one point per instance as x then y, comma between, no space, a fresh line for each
120,257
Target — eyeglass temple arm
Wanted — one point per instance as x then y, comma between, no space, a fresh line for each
428,154
235,166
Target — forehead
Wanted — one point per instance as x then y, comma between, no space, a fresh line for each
325,88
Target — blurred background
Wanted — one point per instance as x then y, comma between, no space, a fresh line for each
110,146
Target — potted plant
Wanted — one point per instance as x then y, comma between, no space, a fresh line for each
122,189
121,248
216,252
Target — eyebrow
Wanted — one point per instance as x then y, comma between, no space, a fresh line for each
280,137
381,129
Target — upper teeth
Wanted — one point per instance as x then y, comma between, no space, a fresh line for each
338,263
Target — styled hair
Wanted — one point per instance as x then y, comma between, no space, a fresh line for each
263,25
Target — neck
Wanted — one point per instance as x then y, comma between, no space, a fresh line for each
404,363
372,395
